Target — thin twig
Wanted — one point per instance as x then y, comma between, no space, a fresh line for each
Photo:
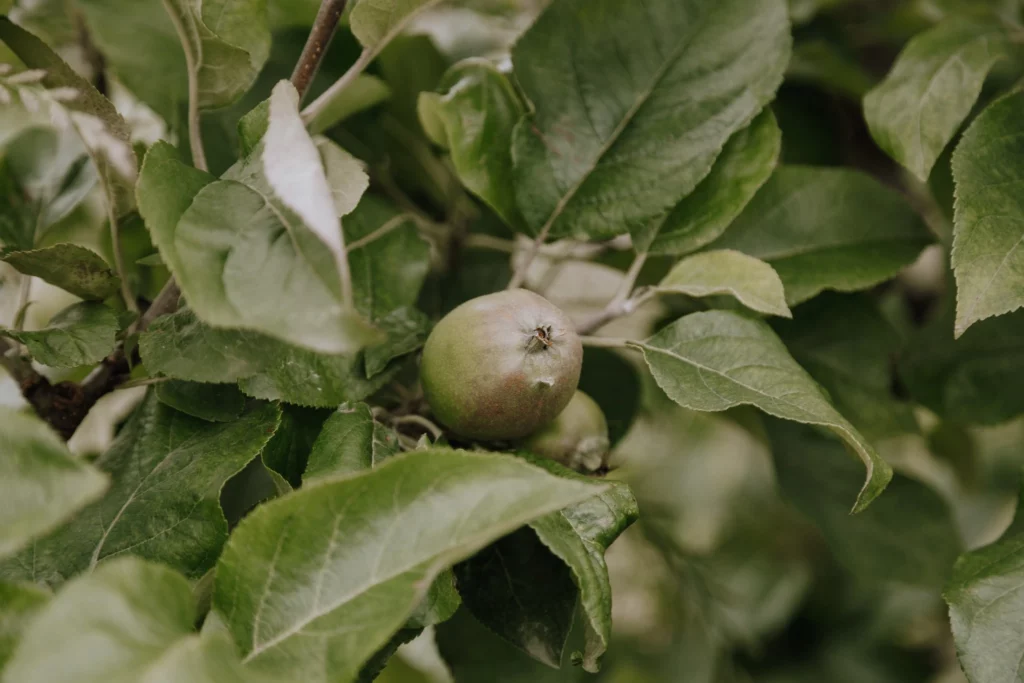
324,27
619,310
519,276
420,421
626,287
606,342
24,292
115,237
388,226
165,302
195,138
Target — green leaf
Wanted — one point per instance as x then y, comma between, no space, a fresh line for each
167,469
228,42
42,483
918,108
100,126
345,174
351,442
294,583
389,259
754,283
907,536
474,119
579,535
18,213
715,360
71,267
289,450
210,402
260,249
182,347
129,620
521,591
363,93
600,154
19,604
81,334
989,214
745,164
376,22
825,228
830,66
985,602
973,379
848,347
406,329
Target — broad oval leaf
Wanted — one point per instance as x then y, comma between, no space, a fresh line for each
128,621
715,360
918,108
350,442
745,164
989,214
633,102
754,283
521,591
167,469
71,267
81,334
825,228
474,119
42,484
985,602
579,535
226,43
312,584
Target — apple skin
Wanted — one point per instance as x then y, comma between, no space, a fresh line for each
501,366
577,438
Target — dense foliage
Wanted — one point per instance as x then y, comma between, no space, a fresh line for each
787,233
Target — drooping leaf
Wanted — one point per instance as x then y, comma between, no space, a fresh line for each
917,109
521,591
81,334
130,620
19,604
210,402
989,214
745,164
754,283
601,154
474,119
102,129
351,441
985,603
294,583
260,248
973,379
714,360
42,483
579,535
825,228
848,347
907,536
226,43
71,267
166,469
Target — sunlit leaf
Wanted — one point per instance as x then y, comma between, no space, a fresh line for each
754,283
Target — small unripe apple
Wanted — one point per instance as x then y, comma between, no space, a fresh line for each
577,438
501,366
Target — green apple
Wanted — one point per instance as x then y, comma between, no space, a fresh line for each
501,366
577,438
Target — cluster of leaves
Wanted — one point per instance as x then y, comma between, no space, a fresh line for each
696,183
